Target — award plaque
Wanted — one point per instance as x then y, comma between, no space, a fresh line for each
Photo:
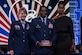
45,42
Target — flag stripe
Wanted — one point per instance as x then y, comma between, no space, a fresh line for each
68,14
2,31
4,28
6,40
38,7
3,41
4,22
53,11
15,8
4,25
3,36
43,1
5,18
67,11
66,2
46,2
35,7
20,4
13,11
17,5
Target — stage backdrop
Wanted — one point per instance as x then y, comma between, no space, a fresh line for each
9,10
75,14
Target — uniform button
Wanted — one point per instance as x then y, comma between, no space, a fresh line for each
23,36
23,32
44,31
23,40
44,35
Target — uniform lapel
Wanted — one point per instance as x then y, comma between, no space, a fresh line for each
26,24
20,25
42,24
46,23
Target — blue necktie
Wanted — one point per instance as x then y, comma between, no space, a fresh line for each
23,25
44,20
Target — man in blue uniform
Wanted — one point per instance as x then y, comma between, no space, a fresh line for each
42,34
18,43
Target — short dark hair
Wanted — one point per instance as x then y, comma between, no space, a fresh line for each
44,7
61,2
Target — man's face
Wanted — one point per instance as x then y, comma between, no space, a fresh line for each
43,12
61,9
22,15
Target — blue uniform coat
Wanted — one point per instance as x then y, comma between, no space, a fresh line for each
39,31
19,38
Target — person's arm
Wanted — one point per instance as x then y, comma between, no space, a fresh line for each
72,34
11,52
11,39
54,34
32,33
72,46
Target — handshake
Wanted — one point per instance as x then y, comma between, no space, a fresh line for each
46,43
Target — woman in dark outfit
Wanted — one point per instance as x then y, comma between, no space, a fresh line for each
65,35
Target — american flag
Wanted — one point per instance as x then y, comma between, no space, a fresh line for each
5,6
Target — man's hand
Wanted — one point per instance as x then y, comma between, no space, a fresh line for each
11,52
39,44
50,44
72,48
